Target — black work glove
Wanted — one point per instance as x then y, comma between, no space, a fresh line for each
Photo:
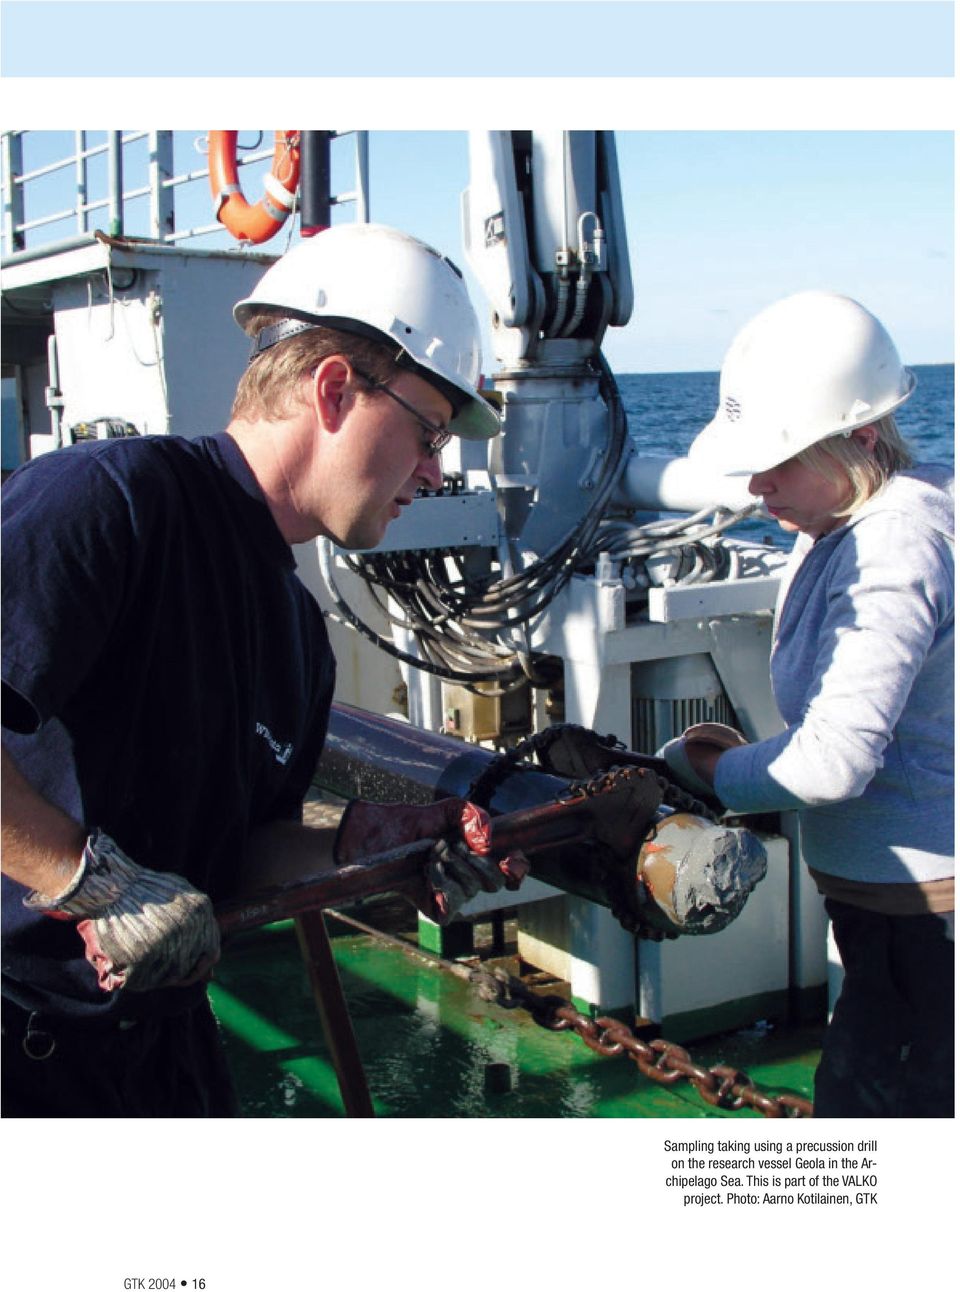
455,869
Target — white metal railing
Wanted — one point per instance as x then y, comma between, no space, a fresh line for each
27,210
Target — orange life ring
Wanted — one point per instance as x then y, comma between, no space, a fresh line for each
259,222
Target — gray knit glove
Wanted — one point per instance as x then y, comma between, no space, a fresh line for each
142,928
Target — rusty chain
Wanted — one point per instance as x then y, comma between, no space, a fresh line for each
508,761
483,787
660,1060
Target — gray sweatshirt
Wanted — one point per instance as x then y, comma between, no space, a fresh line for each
862,671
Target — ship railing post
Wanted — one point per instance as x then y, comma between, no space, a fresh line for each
80,170
115,183
363,177
13,238
162,213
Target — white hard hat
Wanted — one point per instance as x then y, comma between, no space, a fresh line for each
810,366
378,282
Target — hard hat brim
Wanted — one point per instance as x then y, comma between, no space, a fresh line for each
736,449
477,420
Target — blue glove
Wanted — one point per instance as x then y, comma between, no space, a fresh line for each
674,754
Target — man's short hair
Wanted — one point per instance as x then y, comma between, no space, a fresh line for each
272,387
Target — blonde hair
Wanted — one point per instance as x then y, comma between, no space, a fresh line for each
867,470
272,385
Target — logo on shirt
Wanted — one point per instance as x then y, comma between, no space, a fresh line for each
280,751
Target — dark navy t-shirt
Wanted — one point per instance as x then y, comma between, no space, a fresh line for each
166,675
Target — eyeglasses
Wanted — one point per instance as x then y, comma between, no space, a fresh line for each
438,437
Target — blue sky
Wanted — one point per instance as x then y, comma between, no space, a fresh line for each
849,184
719,224
526,38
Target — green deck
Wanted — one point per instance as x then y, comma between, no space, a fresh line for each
427,1040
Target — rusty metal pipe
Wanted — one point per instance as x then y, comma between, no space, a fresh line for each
384,760
337,887
660,872
331,1003
532,830
693,876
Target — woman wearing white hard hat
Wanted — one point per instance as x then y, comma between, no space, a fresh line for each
862,671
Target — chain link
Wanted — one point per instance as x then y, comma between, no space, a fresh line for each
504,764
622,900
660,1060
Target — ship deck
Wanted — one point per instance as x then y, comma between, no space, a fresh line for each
432,1047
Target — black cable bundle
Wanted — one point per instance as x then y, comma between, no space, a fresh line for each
459,622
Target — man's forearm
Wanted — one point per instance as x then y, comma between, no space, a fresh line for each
42,846
285,852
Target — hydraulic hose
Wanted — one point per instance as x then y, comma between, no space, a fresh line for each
465,627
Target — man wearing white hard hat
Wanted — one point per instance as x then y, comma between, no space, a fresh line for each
167,679
863,670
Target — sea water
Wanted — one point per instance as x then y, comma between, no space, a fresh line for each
665,411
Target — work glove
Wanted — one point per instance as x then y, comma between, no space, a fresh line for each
455,869
675,752
142,929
